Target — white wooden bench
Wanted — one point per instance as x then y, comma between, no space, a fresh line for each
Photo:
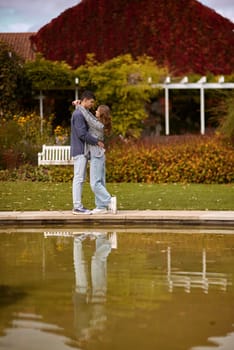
55,155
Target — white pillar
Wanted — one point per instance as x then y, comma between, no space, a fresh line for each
167,111
76,88
76,94
202,110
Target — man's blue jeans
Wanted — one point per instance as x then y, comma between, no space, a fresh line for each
98,181
80,166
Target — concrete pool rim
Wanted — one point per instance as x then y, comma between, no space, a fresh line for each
122,218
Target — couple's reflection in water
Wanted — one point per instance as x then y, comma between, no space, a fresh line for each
150,268
91,282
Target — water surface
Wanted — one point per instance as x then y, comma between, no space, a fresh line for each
67,289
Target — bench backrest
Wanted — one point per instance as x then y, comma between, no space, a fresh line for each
55,155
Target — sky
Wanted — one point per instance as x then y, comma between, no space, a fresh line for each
31,15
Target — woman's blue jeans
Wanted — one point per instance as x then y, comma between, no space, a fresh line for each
98,181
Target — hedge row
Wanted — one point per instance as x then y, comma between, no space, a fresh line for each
196,160
200,160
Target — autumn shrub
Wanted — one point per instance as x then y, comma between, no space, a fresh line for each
10,138
191,159
227,121
30,172
21,139
222,112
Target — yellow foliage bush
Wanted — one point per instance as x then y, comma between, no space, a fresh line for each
196,160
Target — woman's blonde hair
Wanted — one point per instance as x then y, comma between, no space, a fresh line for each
105,118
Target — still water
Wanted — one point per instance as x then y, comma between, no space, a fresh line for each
62,290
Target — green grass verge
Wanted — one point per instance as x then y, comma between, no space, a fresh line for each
131,196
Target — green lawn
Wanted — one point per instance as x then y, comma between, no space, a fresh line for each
57,196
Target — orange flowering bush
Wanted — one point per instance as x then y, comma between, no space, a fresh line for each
21,138
61,135
196,160
192,159
33,128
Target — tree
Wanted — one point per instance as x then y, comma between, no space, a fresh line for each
226,109
54,81
11,76
123,84
49,75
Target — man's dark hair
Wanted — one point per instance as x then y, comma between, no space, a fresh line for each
87,94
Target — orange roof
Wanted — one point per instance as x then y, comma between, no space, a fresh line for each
20,43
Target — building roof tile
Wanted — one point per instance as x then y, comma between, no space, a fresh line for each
20,43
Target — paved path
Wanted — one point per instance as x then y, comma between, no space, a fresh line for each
123,217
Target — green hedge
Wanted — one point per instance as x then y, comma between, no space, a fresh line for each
188,160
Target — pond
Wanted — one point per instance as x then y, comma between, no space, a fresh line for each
126,289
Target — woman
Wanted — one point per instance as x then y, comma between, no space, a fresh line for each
97,127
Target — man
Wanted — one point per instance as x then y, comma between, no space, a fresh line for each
80,136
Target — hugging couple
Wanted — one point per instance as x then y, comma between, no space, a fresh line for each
87,142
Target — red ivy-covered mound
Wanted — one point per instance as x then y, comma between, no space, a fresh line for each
183,35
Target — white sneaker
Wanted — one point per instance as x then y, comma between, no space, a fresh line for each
99,211
112,206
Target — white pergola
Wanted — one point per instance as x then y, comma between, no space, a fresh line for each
201,85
